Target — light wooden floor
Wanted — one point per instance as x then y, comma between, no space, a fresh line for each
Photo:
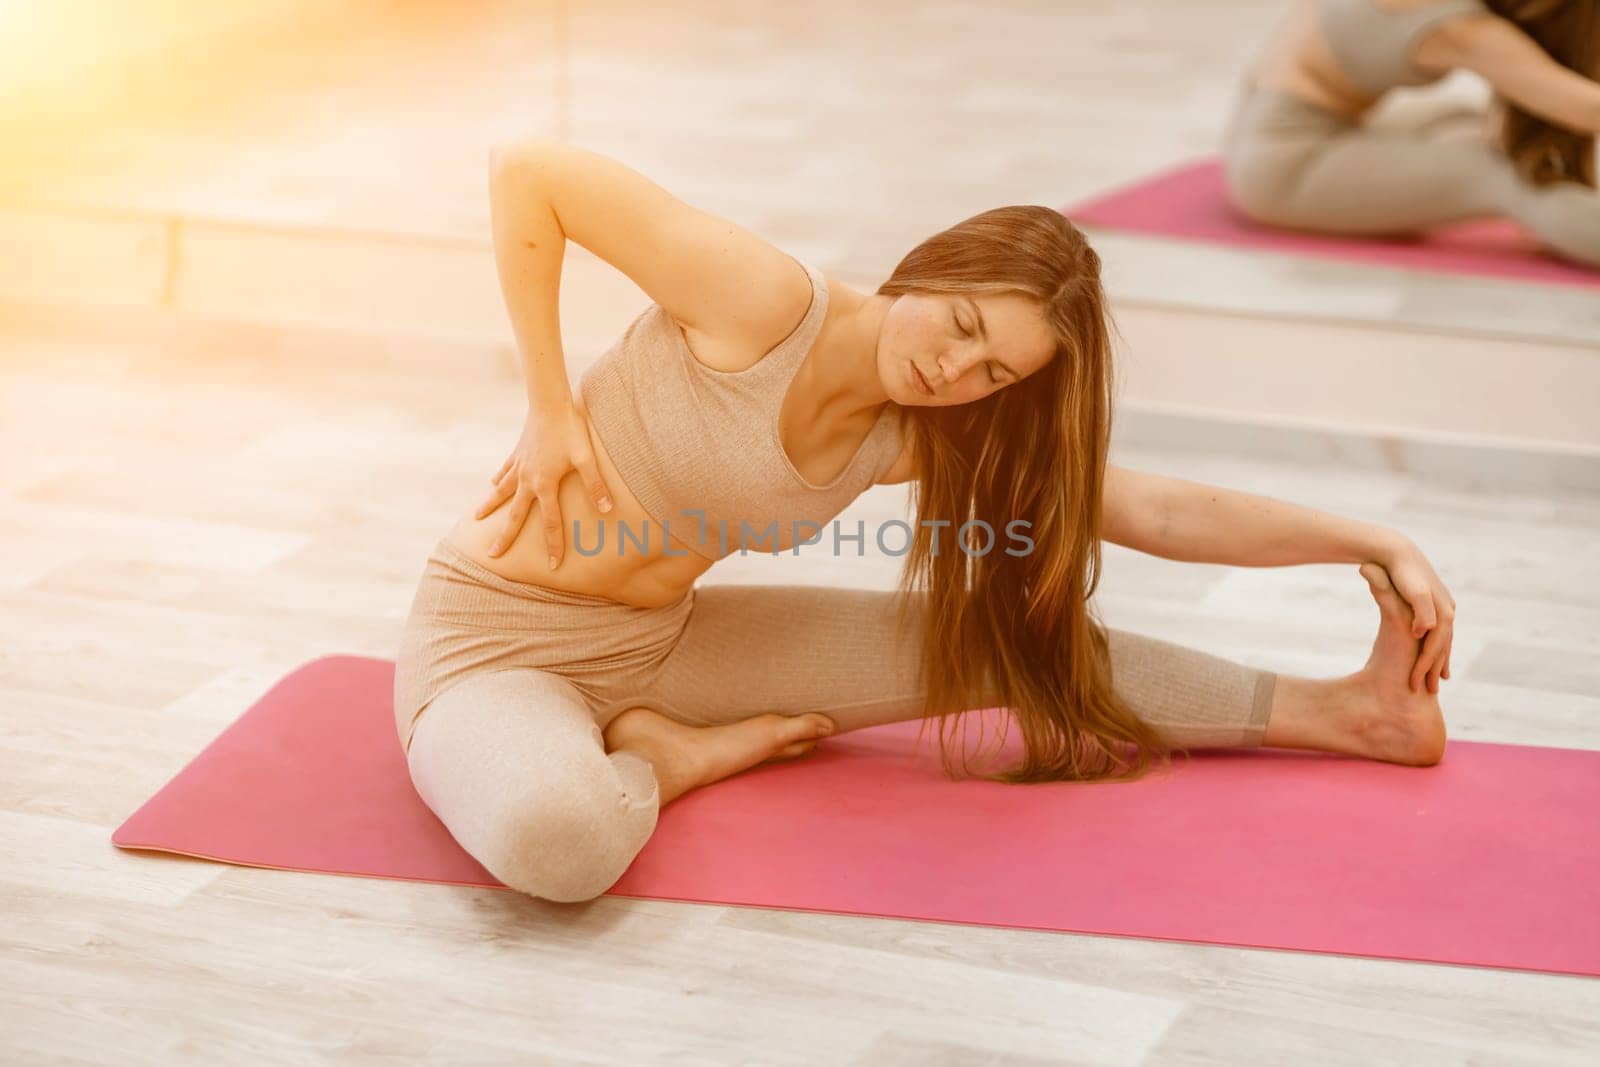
844,132
189,509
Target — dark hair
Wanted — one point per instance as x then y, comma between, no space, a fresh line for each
1541,151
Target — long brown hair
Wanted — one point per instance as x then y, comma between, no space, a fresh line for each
1541,151
1013,621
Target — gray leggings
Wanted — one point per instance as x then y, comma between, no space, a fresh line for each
1293,164
502,689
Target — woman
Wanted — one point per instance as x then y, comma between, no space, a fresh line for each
1298,155
550,703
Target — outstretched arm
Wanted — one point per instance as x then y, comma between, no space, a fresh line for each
1516,67
1198,523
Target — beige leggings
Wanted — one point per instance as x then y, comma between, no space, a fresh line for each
518,681
1290,163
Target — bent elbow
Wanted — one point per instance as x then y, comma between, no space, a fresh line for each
520,155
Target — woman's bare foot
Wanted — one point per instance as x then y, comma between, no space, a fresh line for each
1392,722
1372,713
688,757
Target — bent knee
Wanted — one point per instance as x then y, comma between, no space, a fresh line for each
567,852
1261,193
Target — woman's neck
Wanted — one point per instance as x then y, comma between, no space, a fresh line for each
841,374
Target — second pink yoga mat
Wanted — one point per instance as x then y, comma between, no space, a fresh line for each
1490,858
1190,203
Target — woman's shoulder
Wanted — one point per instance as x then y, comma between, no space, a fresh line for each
782,304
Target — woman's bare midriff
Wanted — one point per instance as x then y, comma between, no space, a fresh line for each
1298,60
665,568
632,575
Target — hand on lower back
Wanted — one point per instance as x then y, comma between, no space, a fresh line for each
554,443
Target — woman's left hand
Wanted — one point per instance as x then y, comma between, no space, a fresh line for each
1433,610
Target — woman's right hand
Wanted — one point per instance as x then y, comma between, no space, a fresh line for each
554,442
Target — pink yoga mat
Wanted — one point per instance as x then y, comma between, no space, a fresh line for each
1190,203
1491,858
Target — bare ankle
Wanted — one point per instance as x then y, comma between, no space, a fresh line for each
652,737
1316,713
674,776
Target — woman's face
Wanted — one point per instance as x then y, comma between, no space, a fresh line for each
937,350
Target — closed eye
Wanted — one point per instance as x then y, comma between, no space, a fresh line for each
962,329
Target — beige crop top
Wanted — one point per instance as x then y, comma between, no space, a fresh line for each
1372,45
687,438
